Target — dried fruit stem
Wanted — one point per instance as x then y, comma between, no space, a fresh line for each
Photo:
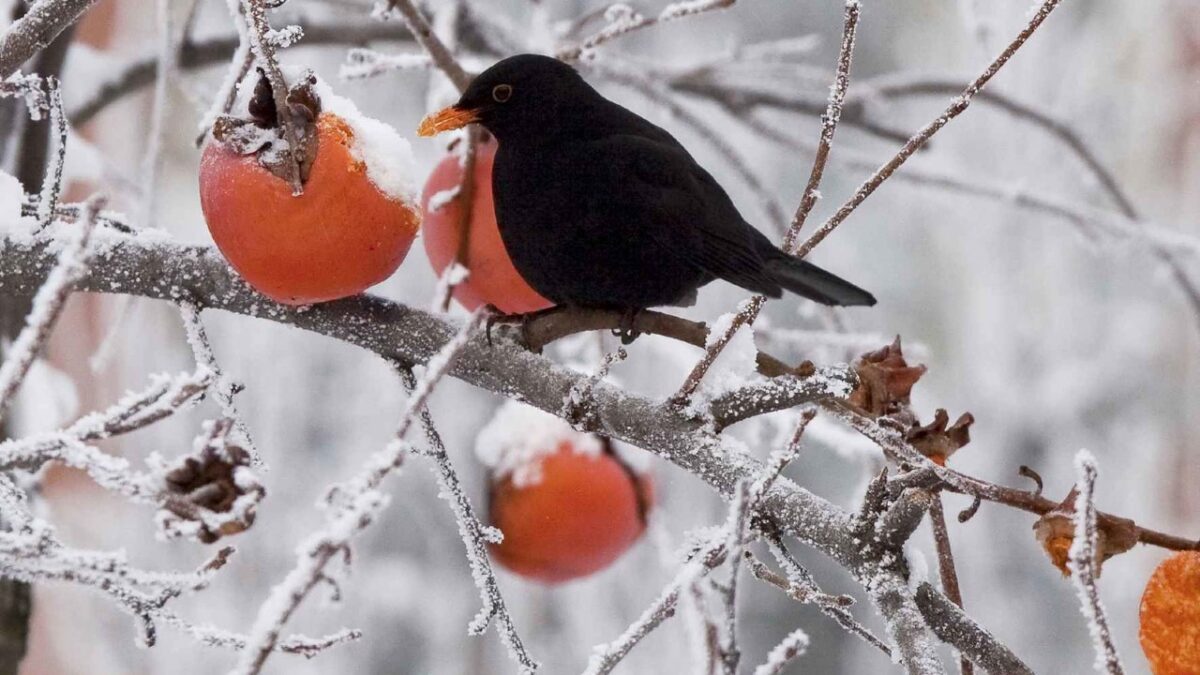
264,50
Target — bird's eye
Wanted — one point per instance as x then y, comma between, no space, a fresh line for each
502,92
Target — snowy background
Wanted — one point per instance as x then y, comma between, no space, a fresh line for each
1054,335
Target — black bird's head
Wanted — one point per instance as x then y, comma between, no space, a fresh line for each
522,95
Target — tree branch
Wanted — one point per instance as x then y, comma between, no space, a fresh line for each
956,108
36,30
158,269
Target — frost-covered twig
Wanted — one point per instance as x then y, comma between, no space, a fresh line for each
352,506
1083,558
362,63
52,183
789,648
47,305
740,508
162,398
946,620
31,552
439,53
606,657
829,121
225,389
833,606
196,54
918,140
895,446
475,536
443,58
912,643
622,19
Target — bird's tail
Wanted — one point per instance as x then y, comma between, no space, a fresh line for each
807,280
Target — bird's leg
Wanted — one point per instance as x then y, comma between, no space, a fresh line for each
626,330
523,319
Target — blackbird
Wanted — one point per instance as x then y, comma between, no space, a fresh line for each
600,208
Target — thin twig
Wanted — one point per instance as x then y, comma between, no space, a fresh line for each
475,536
946,567
918,140
1084,560
423,32
829,121
355,505
622,20
225,388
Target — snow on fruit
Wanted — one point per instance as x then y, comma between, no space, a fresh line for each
491,278
567,503
349,229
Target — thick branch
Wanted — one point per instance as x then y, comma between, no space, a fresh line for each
162,270
36,30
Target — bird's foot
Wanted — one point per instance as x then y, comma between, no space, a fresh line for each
626,329
495,316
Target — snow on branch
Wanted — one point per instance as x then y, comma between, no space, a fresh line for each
622,19
153,267
1084,561
957,106
42,23
789,648
351,507
164,396
47,305
706,557
365,63
475,536
31,552
224,389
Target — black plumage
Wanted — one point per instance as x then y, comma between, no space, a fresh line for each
598,207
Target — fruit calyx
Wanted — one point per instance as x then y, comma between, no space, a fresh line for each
261,133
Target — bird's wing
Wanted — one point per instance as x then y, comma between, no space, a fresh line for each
688,213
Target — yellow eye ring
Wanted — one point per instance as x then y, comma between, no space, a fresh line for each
502,92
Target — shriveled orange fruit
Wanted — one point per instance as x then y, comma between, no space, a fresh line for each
1170,616
492,279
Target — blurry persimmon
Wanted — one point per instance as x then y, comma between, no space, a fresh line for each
349,229
1170,616
491,279
567,503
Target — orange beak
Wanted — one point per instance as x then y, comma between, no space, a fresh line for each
446,119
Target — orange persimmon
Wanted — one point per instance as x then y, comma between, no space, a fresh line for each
336,239
582,513
491,278
1170,616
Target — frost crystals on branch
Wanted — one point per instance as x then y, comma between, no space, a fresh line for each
47,305
352,506
1083,558
475,536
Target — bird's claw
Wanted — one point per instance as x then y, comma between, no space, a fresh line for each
626,330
